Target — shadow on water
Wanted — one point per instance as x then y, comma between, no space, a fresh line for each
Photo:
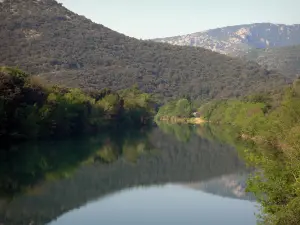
41,181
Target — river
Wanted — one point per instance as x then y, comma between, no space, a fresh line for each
169,175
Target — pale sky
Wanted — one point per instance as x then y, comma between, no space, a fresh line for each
163,18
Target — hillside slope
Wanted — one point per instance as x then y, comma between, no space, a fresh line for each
284,59
234,40
43,37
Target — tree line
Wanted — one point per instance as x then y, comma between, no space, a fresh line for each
29,109
176,109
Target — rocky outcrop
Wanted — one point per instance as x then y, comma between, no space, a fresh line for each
235,40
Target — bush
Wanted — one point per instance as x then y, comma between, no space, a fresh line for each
179,109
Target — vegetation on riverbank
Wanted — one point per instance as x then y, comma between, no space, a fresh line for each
272,121
181,108
275,182
178,111
270,118
30,110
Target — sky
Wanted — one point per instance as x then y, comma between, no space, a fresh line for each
145,19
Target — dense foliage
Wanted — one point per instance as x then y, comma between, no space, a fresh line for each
181,108
284,59
46,39
276,130
31,110
270,117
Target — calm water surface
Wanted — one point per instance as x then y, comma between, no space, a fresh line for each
168,175
168,204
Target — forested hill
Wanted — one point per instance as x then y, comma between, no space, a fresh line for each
43,37
284,59
273,45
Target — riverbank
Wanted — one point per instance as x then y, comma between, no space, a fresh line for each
196,121
30,109
271,122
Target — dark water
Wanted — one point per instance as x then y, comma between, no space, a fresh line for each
158,176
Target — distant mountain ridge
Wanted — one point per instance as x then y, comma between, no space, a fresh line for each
234,40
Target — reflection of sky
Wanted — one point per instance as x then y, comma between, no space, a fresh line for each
169,204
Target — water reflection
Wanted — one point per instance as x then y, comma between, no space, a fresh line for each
167,204
229,186
43,182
